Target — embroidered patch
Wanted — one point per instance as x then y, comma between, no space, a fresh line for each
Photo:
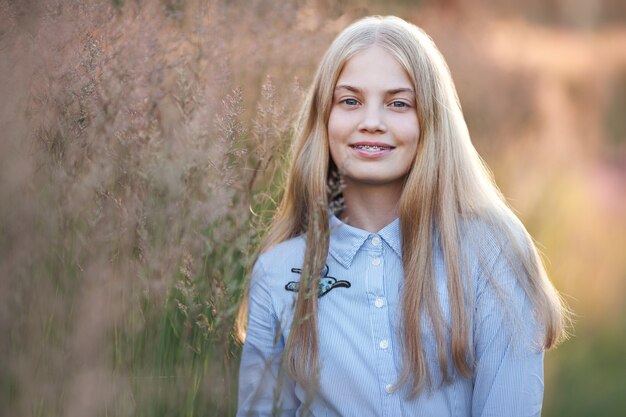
327,283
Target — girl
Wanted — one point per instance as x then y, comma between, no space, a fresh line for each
422,294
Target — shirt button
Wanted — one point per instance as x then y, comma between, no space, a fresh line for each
376,261
375,241
379,302
389,388
384,344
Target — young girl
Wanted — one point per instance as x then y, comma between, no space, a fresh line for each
422,294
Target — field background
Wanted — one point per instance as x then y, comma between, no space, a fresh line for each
139,141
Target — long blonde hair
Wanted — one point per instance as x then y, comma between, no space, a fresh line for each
447,185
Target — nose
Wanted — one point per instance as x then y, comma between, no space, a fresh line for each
373,120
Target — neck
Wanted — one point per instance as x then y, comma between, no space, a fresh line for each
371,207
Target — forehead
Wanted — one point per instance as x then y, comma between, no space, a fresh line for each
372,68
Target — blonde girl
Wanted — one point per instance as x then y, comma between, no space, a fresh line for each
394,280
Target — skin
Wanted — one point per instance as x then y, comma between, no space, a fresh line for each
373,132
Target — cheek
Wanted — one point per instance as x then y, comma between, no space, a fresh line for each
408,131
332,127
335,150
413,147
340,124
336,137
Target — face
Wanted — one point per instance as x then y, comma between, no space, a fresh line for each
373,128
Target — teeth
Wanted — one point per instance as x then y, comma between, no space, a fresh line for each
371,147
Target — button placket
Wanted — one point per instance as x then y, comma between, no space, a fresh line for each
382,266
380,319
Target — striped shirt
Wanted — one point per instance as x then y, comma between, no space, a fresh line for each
360,333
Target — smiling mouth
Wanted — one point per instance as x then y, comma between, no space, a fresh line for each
372,147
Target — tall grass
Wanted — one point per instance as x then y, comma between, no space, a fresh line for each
132,163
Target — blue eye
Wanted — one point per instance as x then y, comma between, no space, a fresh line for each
350,101
399,104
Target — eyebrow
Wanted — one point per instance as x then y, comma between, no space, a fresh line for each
388,92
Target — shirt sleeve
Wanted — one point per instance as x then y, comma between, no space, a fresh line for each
508,379
264,389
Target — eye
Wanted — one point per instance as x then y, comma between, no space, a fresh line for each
399,104
350,101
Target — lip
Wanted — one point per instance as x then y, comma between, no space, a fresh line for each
369,143
359,148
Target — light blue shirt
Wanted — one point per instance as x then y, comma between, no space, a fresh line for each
359,325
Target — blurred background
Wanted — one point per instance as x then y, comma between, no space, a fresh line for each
142,141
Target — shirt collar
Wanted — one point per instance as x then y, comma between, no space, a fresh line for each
346,240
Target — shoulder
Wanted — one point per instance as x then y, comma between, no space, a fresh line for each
482,240
274,271
500,254
274,268
491,244
288,252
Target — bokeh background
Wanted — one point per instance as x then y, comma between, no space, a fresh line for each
142,144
